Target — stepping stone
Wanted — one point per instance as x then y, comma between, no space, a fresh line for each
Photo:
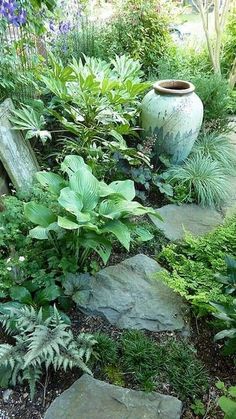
88,398
177,219
129,297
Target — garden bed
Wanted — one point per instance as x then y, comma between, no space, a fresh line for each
217,366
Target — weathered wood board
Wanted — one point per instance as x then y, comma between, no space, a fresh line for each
16,154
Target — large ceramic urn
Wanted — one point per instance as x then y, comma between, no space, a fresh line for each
171,114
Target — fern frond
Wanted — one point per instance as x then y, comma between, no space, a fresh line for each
25,318
86,343
10,355
32,375
45,342
69,358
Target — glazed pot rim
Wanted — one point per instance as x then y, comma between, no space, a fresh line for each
173,87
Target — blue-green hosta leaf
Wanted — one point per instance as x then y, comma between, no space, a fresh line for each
228,333
124,188
120,230
42,233
68,224
116,208
39,214
72,163
21,294
71,201
52,181
100,245
143,235
87,186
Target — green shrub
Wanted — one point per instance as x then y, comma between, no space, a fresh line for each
212,89
229,42
140,357
40,343
139,29
193,263
31,272
214,93
227,402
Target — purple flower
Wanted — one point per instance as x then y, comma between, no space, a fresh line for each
10,11
51,26
64,27
21,18
10,6
13,20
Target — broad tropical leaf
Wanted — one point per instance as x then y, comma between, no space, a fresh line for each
39,214
71,201
120,230
52,181
67,224
100,245
87,186
72,163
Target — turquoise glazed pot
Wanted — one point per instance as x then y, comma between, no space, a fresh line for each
172,115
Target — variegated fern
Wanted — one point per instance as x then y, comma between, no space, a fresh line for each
40,344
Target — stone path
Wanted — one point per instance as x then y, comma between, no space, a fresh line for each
188,217
88,398
129,297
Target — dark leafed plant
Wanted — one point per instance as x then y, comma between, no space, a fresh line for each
229,280
90,214
227,313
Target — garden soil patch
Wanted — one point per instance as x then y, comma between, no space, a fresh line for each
19,405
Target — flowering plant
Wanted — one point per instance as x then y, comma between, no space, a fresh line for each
12,11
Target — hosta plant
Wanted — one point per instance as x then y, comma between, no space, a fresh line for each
89,214
40,343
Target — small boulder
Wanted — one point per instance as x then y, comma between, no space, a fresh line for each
189,217
88,398
130,296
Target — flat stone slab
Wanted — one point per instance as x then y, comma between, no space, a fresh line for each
129,297
88,398
188,217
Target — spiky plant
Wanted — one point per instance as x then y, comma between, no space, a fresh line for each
205,179
219,148
39,344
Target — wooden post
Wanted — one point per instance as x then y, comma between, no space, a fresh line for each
16,154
